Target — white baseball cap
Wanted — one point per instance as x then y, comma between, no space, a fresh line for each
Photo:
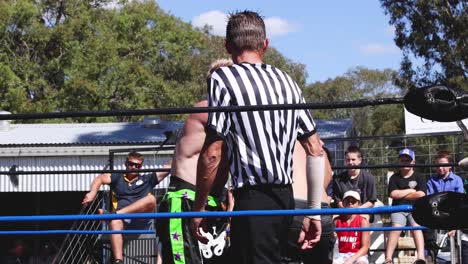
353,194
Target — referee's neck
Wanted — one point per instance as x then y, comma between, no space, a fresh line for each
248,56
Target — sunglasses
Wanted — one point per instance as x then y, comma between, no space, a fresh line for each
133,164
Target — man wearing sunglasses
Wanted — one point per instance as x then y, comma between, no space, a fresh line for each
133,193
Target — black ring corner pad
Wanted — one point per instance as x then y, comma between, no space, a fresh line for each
445,210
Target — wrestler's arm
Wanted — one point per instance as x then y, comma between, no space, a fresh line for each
222,174
207,168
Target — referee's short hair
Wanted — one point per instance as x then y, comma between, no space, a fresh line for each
245,31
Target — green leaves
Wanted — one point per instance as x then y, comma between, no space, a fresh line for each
90,55
360,83
433,36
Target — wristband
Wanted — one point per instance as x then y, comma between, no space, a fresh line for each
315,173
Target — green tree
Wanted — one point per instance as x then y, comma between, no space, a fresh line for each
360,83
85,55
434,32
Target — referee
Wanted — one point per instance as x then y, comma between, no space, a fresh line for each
260,146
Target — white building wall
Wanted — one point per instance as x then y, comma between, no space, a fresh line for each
63,182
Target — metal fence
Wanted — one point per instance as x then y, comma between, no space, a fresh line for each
383,150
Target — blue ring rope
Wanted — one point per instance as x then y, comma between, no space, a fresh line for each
327,211
96,232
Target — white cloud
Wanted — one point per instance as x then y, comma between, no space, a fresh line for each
275,26
378,49
216,19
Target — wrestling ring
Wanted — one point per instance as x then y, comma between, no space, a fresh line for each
17,171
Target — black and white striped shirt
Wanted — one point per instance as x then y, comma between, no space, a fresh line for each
260,143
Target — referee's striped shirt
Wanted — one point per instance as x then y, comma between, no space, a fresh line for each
260,143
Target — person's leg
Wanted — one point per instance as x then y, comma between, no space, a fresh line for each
430,242
398,220
417,237
419,242
162,230
117,239
146,204
391,243
258,239
362,260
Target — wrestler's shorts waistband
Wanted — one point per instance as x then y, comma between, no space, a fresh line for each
178,184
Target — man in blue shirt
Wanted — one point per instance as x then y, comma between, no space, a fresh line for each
444,181
133,193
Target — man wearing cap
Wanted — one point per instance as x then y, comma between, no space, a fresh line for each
404,187
352,245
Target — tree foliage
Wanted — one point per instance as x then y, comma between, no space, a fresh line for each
360,83
434,32
90,55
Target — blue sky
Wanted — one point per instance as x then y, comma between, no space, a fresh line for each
328,36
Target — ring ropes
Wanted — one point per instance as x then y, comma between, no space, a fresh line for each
349,104
326,211
14,170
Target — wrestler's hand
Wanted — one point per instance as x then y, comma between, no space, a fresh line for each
310,233
196,224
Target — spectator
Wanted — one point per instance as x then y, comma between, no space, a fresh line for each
404,187
355,179
444,181
352,245
134,194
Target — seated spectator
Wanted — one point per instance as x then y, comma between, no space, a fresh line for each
354,179
134,194
444,181
404,187
352,245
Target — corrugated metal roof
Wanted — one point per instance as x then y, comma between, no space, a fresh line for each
334,128
86,133
48,158
63,134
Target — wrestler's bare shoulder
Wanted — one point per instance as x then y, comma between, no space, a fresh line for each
199,117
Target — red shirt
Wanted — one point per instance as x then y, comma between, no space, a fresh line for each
349,241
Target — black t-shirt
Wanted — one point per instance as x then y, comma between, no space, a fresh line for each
397,182
364,183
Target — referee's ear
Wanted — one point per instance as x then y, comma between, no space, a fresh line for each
266,43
